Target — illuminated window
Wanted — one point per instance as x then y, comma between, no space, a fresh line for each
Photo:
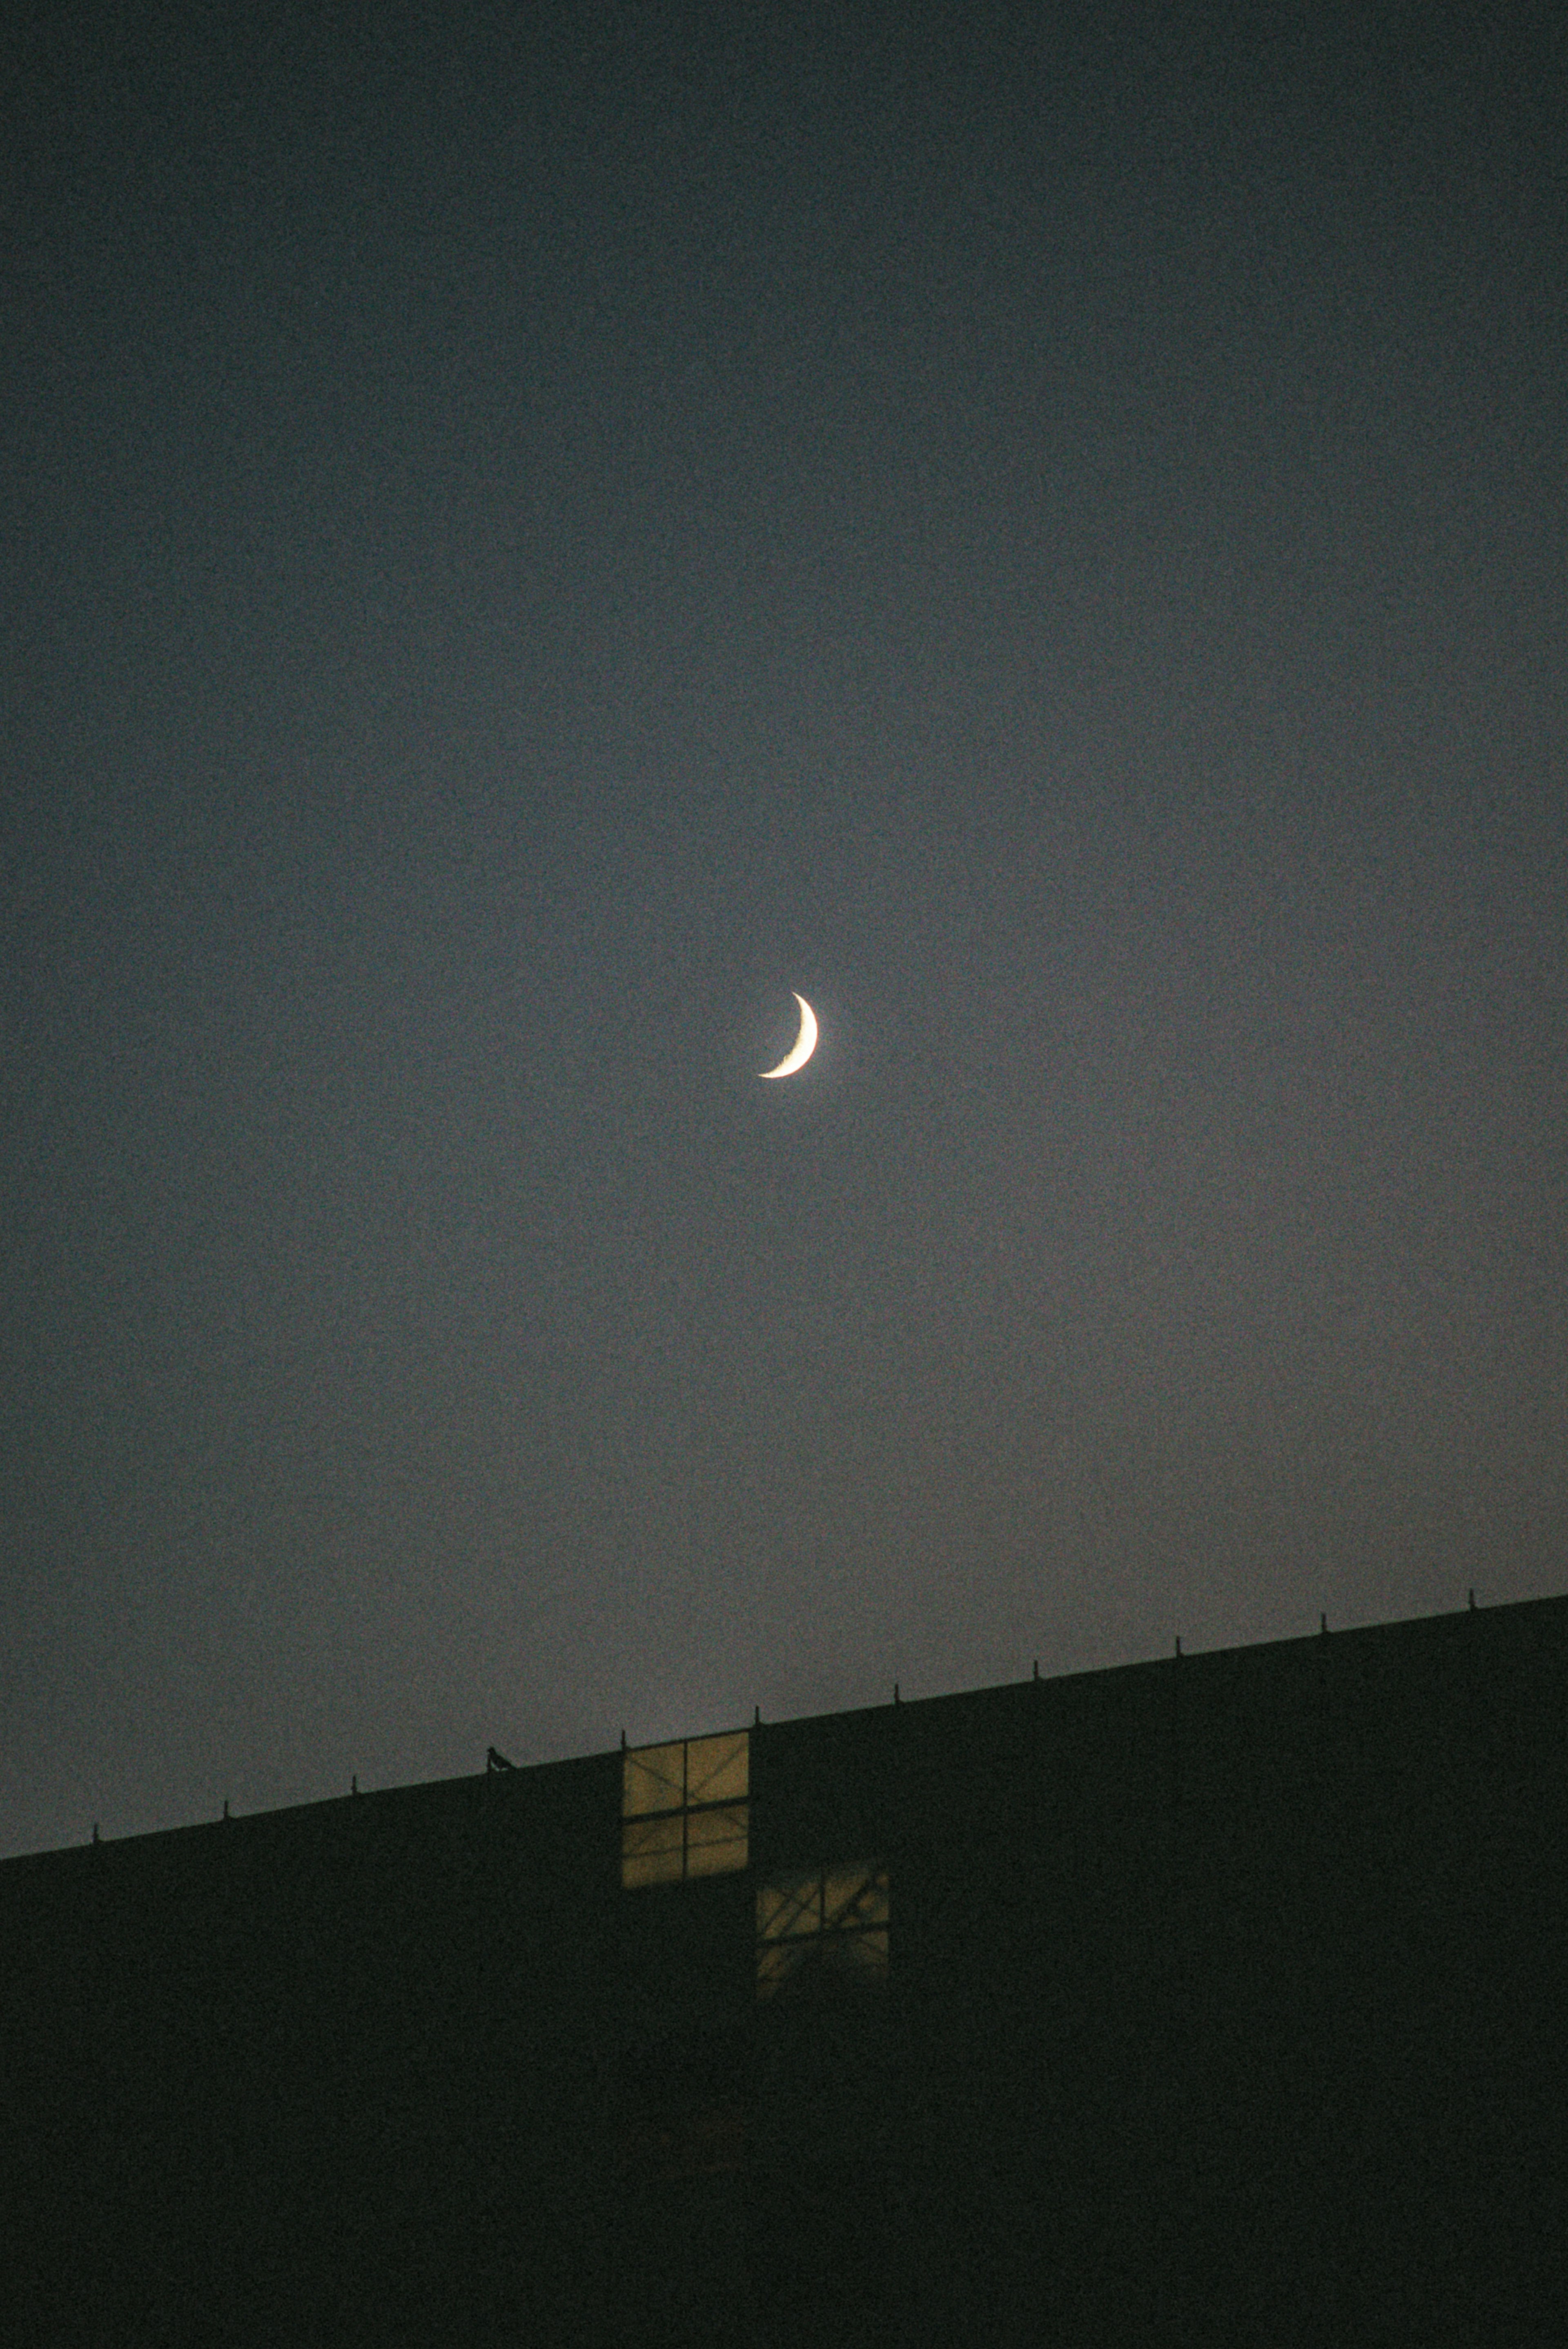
829,1924
685,1809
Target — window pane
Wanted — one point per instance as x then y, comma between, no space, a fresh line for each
719,1768
777,1961
716,1840
650,1851
855,1896
651,1868
653,1779
790,1905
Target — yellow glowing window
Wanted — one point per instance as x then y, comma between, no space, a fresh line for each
685,1810
823,1924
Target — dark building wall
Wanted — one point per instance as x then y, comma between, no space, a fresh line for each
1224,2002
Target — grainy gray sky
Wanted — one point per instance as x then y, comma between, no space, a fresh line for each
529,534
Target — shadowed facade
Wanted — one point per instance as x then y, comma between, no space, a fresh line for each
1214,1999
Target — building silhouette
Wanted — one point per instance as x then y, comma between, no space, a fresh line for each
1218,1999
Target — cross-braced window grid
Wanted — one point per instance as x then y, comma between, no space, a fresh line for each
685,1810
822,1924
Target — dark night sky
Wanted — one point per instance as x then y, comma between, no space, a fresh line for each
530,533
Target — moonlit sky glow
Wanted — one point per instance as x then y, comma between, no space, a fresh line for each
533,532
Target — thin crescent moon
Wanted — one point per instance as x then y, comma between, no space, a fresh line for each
802,1050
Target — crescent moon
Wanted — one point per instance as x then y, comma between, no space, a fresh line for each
802,1050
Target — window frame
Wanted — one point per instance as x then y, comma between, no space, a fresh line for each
704,1831
809,1935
